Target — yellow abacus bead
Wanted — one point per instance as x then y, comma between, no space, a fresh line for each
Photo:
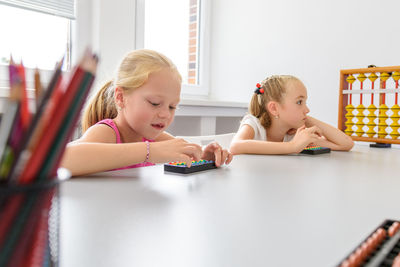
396,75
371,120
349,122
350,79
395,125
382,117
372,77
385,76
360,117
361,77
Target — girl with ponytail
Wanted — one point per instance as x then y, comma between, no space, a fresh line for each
278,123
124,123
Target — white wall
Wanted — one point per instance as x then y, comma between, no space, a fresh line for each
109,28
311,39
250,40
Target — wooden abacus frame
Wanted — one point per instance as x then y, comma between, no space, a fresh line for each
343,99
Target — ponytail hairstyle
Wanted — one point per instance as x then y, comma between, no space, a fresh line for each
271,89
132,73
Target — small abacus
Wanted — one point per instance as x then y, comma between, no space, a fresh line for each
377,121
381,248
315,150
181,167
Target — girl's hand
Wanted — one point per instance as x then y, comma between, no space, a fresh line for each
305,136
308,122
174,150
214,151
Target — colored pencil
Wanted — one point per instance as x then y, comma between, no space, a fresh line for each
21,158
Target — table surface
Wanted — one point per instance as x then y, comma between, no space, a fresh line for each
290,210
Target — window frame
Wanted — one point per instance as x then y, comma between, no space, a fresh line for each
45,74
202,89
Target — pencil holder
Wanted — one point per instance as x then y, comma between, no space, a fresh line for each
29,224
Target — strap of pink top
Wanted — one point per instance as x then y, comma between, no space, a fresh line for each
111,123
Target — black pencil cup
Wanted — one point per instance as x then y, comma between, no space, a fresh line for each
29,224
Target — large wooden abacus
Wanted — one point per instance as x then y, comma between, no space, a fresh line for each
379,120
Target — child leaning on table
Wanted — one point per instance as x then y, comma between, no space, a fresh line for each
124,124
278,122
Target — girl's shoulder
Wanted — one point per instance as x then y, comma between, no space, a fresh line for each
248,116
251,120
102,133
259,131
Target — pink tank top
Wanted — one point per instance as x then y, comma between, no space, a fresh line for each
111,123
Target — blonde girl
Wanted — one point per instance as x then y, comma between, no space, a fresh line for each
278,123
124,124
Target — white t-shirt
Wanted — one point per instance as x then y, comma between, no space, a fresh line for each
259,131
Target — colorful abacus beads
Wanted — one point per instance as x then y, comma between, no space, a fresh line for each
313,147
315,150
194,163
181,167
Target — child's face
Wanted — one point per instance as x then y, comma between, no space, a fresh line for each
150,109
293,110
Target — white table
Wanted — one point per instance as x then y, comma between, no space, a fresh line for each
293,210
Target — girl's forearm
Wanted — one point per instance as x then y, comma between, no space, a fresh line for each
262,147
84,158
339,139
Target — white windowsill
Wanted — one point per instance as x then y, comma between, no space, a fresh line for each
210,108
212,103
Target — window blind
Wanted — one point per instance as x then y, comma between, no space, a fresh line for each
61,8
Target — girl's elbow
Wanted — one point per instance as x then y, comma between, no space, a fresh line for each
234,148
348,145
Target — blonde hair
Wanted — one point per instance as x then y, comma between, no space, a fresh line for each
274,90
132,73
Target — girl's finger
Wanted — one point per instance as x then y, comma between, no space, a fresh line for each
193,151
230,157
185,158
217,154
216,145
301,128
225,155
193,145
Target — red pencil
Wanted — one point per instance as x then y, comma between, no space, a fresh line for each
45,140
91,69
25,114
20,157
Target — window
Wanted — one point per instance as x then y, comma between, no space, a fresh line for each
177,28
39,40
36,32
